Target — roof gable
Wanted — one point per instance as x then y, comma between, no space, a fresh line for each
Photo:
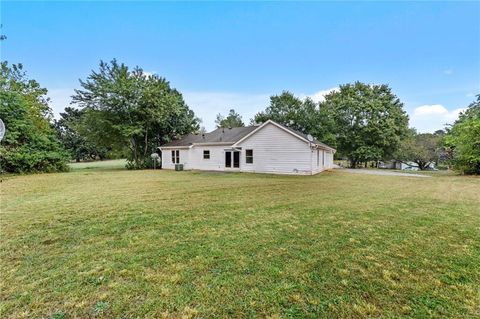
301,136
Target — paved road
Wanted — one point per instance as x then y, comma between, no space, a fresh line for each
380,172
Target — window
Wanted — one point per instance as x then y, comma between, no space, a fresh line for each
318,158
175,157
323,158
206,154
249,156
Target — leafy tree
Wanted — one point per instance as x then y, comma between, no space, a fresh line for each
30,143
463,138
302,115
76,144
369,121
128,107
422,149
233,119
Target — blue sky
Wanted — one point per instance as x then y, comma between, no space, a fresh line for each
235,55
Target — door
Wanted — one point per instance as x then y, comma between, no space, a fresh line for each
228,159
236,159
232,160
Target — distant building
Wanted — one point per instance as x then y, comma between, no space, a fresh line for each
394,164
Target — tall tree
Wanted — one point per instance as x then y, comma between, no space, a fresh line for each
463,139
370,122
30,143
302,115
233,119
128,107
422,149
68,130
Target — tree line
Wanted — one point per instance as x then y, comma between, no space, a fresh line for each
124,112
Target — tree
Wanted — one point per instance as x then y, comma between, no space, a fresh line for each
302,115
463,139
128,107
30,143
369,121
77,145
233,119
422,149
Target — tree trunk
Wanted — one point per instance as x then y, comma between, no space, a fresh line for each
134,149
353,163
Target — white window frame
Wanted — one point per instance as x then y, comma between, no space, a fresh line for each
248,157
175,158
208,152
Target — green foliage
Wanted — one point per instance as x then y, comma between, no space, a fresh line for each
78,146
422,149
233,119
128,108
30,144
302,115
463,139
369,121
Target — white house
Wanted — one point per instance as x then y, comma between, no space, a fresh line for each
394,164
267,148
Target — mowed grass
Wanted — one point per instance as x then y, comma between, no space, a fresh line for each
112,243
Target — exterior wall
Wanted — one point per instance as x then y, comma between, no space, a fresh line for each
328,159
318,163
216,161
276,151
167,158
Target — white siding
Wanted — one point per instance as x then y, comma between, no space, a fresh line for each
167,158
216,161
276,151
328,159
317,163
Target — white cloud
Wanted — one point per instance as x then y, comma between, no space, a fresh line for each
149,73
448,72
207,105
60,99
320,95
429,118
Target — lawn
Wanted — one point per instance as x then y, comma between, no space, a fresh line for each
105,242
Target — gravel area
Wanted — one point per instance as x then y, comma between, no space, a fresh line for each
380,172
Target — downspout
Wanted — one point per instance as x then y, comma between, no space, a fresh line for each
311,158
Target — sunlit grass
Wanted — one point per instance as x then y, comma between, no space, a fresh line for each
117,243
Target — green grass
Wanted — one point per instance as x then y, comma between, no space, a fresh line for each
99,165
112,243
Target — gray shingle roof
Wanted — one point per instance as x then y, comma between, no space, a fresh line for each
220,135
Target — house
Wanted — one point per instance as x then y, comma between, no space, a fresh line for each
267,148
395,164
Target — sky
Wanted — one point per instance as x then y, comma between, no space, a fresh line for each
224,55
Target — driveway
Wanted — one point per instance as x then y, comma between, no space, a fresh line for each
380,172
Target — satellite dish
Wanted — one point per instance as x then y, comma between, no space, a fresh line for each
309,138
2,130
